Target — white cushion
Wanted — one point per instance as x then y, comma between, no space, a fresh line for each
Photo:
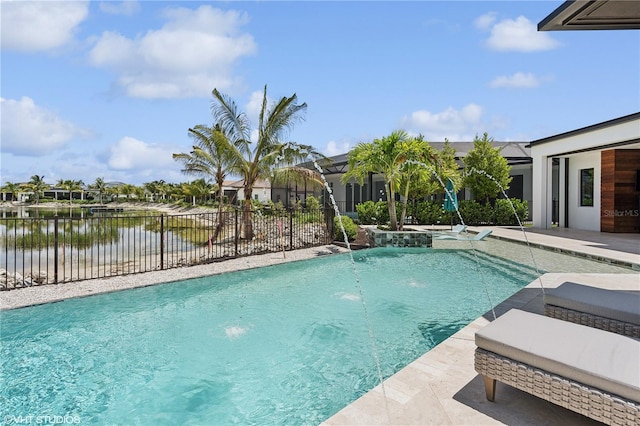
613,304
597,358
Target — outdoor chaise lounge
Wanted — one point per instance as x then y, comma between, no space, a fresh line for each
592,372
612,310
478,237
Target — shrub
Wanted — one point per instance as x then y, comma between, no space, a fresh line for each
367,213
312,203
504,212
431,212
350,228
382,211
474,213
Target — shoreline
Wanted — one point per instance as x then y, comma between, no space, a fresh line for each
170,209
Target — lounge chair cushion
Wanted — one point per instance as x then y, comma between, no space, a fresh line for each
597,358
618,305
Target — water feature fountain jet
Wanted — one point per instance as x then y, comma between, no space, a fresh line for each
475,254
359,286
494,180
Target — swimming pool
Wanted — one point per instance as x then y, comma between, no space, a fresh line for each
286,344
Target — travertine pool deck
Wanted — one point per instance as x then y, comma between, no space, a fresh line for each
441,387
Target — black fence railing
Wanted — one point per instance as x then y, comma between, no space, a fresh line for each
38,251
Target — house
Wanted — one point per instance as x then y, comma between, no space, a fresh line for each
234,191
348,195
591,174
589,177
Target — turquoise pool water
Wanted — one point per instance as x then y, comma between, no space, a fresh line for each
286,344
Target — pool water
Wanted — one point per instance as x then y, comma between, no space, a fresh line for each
286,344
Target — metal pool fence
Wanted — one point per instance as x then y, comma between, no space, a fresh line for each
38,251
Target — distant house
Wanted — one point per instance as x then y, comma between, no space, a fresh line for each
352,193
234,191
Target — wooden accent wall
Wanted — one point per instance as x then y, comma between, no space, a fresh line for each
620,201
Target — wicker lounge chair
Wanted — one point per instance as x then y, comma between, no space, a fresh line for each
586,370
610,310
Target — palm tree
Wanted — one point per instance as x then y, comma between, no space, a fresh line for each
383,156
37,185
198,189
256,160
128,189
140,193
157,188
212,155
13,189
101,186
417,154
115,192
71,186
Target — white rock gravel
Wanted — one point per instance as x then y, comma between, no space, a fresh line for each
37,295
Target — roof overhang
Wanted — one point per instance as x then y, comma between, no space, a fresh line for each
593,15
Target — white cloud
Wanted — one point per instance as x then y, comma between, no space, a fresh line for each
485,21
126,8
455,125
28,129
254,106
191,54
518,35
130,153
519,80
337,148
40,25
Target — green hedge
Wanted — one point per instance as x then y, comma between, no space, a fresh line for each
432,213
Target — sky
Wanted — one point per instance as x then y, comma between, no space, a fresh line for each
109,89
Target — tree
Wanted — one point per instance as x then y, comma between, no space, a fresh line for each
256,160
212,155
199,189
398,159
115,192
13,189
443,166
70,186
128,190
37,185
140,193
157,187
99,185
417,167
481,162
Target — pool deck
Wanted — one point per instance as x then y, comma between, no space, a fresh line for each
441,387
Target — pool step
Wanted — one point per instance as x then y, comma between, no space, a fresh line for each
502,265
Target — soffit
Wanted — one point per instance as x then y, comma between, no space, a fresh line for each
593,15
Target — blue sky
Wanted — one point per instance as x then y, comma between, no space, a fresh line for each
109,89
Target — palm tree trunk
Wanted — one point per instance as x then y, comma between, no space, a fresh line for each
391,204
404,206
220,223
247,225
246,214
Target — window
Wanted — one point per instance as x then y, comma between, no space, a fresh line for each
586,187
